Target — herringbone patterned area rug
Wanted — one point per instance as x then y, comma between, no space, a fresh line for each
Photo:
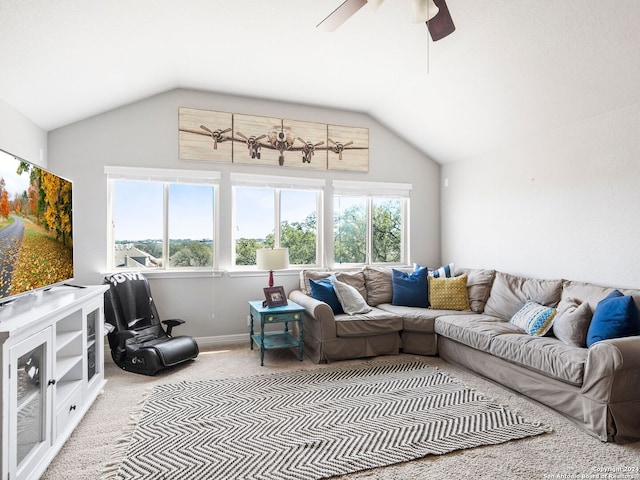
312,424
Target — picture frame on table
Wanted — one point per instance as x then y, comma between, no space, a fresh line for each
275,297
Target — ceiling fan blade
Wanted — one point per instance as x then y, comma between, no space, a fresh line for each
441,25
340,15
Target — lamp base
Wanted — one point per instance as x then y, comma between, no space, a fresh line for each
270,278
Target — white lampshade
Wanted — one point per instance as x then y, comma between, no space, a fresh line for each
272,258
424,10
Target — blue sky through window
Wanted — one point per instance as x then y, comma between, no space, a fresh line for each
138,211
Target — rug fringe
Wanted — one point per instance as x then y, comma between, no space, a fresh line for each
119,451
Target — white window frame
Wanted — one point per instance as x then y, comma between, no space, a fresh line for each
371,191
278,184
166,177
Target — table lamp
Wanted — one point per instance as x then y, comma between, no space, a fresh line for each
272,259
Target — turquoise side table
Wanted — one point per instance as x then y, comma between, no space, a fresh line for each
272,340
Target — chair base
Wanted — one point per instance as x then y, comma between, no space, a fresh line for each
154,358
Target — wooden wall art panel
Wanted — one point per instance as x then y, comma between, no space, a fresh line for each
205,135
255,140
348,148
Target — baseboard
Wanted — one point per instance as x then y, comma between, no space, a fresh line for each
219,340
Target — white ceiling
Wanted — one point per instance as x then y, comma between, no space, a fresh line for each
513,69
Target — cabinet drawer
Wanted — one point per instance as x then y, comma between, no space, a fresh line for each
68,411
283,317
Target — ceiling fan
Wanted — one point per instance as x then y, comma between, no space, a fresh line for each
433,12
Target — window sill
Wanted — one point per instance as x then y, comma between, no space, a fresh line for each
262,273
172,273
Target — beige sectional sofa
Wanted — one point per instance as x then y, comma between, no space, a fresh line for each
598,387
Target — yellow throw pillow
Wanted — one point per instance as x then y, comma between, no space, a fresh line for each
449,293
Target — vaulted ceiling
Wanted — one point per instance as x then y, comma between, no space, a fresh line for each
513,69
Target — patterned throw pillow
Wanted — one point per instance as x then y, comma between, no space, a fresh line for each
535,319
449,293
444,271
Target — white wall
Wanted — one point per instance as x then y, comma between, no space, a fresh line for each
21,137
145,134
561,205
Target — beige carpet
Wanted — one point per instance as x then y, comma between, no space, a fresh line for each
566,452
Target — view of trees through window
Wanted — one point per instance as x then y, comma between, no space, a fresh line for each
165,225
256,219
140,224
353,229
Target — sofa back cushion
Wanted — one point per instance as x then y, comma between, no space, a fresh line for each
379,285
352,278
479,283
592,294
306,275
509,293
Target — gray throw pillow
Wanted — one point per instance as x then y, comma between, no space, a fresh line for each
350,299
572,322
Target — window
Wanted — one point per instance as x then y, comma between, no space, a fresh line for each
276,212
161,220
370,223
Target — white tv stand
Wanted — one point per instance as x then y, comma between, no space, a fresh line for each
52,345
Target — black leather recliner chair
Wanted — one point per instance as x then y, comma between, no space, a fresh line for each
138,341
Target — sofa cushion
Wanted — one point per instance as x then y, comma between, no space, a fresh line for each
476,330
592,294
449,293
534,319
572,322
416,319
353,278
546,355
323,290
306,275
378,284
410,289
350,299
376,322
479,283
509,293
616,316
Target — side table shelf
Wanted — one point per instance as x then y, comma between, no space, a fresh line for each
273,340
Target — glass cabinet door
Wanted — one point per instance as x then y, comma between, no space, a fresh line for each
92,323
29,425
93,345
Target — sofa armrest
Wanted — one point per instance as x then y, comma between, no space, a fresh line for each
322,323
612,371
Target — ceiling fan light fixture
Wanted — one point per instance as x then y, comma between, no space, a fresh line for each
424,10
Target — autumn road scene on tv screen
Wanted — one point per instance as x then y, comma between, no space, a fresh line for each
36,242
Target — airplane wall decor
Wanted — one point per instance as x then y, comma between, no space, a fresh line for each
248,139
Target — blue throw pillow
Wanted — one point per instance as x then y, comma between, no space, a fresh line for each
410,289
616,316
323,290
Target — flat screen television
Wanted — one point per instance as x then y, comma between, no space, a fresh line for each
36,228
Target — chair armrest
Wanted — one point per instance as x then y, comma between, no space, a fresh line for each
612,370
174,322
319,317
